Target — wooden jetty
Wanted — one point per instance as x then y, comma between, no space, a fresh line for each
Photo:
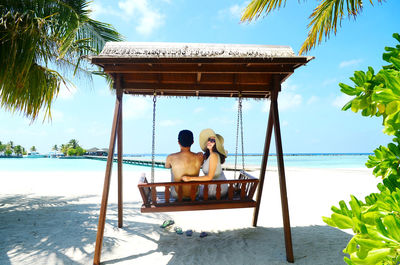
161,164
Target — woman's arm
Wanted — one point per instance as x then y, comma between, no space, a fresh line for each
211,171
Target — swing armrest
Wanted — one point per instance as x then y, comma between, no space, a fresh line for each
144,190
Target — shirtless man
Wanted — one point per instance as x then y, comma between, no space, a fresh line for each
185,162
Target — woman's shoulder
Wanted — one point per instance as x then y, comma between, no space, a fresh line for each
214,156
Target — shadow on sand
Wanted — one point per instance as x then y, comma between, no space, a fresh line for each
62,230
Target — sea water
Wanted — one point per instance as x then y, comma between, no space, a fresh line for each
304,161
58,164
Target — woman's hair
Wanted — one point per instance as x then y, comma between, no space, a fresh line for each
207,154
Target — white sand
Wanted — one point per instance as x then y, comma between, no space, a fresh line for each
51,218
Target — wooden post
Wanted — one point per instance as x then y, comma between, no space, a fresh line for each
267,144
106,187
281,171
120,187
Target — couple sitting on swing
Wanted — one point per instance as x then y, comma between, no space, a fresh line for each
185,165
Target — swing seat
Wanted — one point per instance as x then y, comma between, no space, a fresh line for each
157,196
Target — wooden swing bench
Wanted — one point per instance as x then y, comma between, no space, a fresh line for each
198,70
240,195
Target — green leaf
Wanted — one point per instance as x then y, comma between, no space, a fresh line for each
335,209
370,217
355,105
385,96
369,243
381,108
392,227
392,107
362,252
359,78
348,90
392,80
351,246
394,149
347,106
374,256
395,62
348,261
355,206
370,73
344,209
396,36
328,221
342,221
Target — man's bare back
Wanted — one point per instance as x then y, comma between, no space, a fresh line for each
184,163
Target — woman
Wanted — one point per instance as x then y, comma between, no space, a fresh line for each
214,155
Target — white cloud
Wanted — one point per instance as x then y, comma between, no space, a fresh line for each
98,129
149,18
350,63
57,116
341,100
287,98
70,130
169,123
221,120
330,81
97,10
235,11
285,123
198,110
312,99
66,92
136,107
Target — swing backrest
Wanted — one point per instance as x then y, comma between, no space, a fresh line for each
157,196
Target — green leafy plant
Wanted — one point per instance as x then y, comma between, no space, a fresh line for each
72,148
376,222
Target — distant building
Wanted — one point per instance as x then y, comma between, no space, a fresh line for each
97,152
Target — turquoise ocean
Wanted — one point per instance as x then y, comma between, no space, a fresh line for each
293,160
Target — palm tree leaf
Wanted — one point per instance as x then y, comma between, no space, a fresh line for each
38,35
256,7
325,17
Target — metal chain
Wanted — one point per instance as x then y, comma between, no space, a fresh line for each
154,137
241,133
237,130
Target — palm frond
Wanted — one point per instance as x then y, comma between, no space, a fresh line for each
326,17
257,7
37,35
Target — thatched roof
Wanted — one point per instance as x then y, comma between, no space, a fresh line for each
92,150
193,50
198,69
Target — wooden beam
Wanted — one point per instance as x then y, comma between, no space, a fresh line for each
281,171
120,153
191,78
193,87
106,187
267,144
196,93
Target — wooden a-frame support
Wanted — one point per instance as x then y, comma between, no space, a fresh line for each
273,123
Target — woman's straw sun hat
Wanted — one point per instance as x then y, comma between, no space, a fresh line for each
219,141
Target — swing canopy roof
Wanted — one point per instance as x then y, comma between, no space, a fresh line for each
200,70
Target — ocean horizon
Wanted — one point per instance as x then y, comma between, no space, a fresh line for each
302,160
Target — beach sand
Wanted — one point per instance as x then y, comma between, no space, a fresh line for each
52,217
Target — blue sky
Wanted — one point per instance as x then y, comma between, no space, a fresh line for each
310,102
